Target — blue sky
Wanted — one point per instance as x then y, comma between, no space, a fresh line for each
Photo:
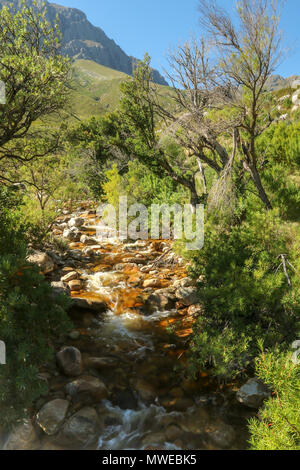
155,26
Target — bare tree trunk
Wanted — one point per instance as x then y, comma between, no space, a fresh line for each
258,184
202,174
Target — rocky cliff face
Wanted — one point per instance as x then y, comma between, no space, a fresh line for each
82,40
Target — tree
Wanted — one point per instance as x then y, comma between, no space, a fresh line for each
36,81
248,55
138,130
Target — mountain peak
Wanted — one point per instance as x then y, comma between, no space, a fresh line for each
82,40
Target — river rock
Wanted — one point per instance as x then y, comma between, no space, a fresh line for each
195,309
52,415
80,430
42,260
187,295
89,304
75,285
146,391
253,393
69,360
72,234
71,276
59,288
88,385
173,432
101,362
23,437
221,434
76,222
160,301
152,283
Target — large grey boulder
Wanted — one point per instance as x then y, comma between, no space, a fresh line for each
187,295
69,361
253,393
22,437
42,260
87,385
52,415
80,430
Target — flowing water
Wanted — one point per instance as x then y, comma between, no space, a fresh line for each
152,405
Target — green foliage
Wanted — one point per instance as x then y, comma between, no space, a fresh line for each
36,80
278,426
245,293
30,317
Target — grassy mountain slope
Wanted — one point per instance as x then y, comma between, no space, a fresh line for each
96,88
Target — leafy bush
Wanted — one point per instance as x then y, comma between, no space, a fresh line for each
278,426
29,316
245,293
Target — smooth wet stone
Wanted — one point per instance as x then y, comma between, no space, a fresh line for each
52,415
253,393
69,361
22,437
75,285
88,385
221,434
71,276
80,430
89,304
101,362
146,391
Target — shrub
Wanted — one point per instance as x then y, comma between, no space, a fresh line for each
30,317
278,426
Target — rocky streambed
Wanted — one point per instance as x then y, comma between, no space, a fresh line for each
118,381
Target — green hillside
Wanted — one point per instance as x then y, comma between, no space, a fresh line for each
96,88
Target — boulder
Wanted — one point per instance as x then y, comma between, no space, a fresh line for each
71,276
52,415
75,285
160,301
221,434
152,283
72,234
87,385
76,222
42,260
195,309
59,288
89,304
146,391
69,360
80,430
22,437
253,393
187,295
